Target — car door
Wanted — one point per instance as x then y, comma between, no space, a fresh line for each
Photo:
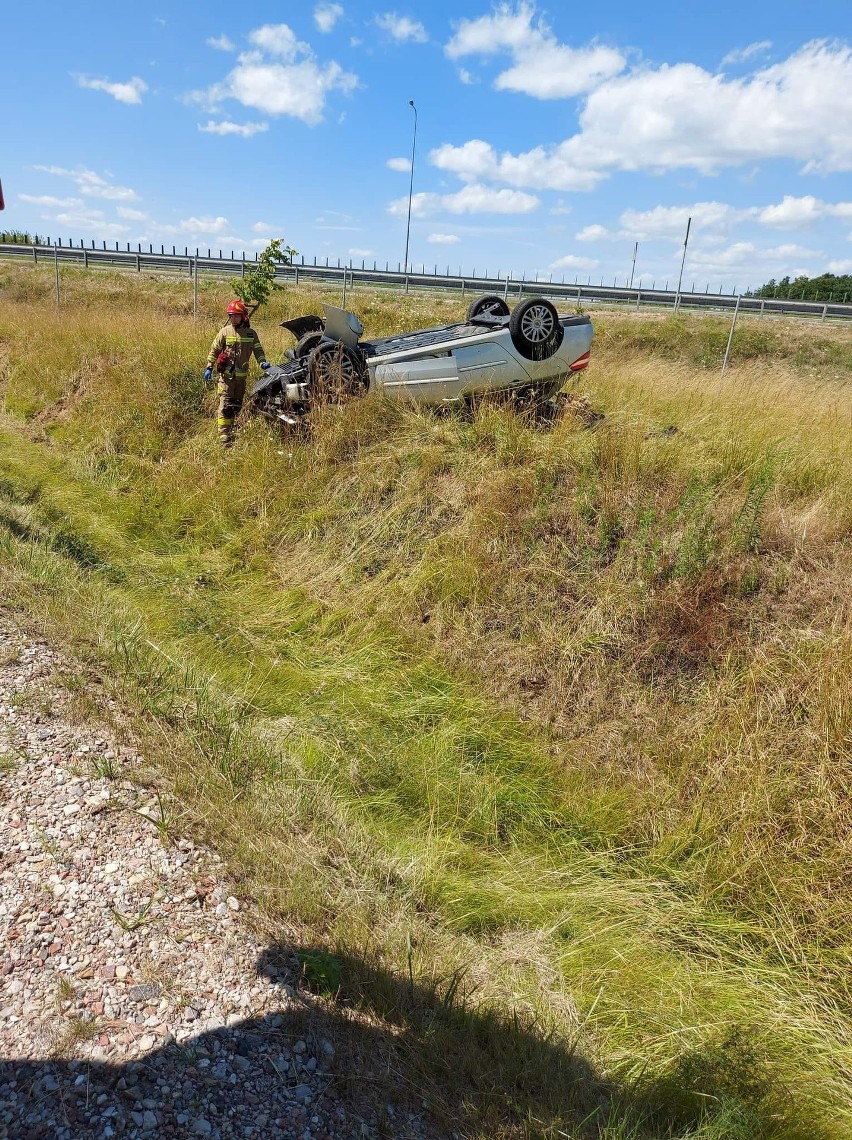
429,380
487,366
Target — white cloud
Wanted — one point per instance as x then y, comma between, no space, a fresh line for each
280,75
593,233
85,218
473,160
326,16
840,267
541,66
740,55
745,257
683,117
560,208
401,28
671,221
361,253
466,77
401,164
129,92
443,239
80,214
476,160
333,216
220,43
716,218
215,227
131,215
48,200
792,213
226,127
570,261
473,199
279,39
90,184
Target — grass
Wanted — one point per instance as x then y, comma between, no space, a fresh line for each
534,741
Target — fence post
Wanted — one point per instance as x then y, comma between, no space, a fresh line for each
195,288
56,273
638,298
731,336
85,259
824,311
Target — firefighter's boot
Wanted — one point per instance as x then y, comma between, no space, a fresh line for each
225,425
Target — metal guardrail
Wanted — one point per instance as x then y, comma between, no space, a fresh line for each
347,275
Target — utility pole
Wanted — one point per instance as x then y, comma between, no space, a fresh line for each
682,263
410,190
633,267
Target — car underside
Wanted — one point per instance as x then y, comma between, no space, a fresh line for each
530,351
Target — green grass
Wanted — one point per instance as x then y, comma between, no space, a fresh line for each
541,737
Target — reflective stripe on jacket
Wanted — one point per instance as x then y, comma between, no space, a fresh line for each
241,343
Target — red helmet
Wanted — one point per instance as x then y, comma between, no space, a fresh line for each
239,307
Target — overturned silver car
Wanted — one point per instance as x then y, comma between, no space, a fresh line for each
529,352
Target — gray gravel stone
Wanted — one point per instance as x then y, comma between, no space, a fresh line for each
130,995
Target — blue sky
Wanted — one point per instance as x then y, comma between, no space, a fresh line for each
550,139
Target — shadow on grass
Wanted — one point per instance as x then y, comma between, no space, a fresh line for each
379,1057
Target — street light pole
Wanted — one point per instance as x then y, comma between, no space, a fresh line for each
682,263
410,190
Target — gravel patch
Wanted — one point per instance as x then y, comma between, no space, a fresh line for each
134,998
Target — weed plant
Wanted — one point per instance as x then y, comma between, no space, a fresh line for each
535,737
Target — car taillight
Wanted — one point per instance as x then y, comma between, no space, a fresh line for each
581,362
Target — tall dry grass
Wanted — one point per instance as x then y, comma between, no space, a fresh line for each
567,704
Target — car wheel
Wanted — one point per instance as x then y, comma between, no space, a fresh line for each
307,343
490,306
337,373
535,329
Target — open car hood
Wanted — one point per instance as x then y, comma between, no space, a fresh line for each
301,325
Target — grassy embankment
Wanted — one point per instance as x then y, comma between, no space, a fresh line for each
544,732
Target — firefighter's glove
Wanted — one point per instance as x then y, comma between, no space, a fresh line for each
208,373
264,364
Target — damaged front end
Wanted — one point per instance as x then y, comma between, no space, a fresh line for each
283,392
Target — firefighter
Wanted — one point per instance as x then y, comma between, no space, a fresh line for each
230,354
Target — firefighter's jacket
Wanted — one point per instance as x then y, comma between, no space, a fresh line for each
239,344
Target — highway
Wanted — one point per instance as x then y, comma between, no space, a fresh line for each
184,264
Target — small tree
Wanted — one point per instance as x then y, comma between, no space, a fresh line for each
257,284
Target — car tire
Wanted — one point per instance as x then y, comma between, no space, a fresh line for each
491,306
337,373
535,329
306,344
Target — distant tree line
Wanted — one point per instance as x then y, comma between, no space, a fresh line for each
828,287
19,237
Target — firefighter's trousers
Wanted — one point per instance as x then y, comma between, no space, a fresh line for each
232,390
